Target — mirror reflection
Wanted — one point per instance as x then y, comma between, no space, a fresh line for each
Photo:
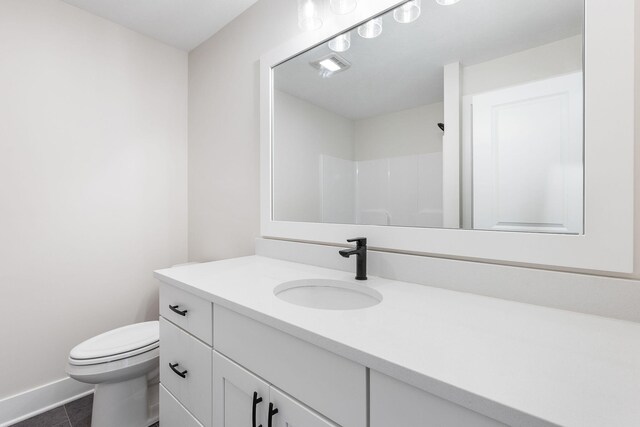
461,116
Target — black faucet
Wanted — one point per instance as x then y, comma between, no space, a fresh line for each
361,253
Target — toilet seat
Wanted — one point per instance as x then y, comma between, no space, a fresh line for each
113,357
116,370
122,343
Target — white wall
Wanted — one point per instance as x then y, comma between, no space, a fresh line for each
224,130
539,63
303,133
92,181
377,137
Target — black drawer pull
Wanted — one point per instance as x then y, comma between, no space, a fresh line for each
182,374
256,400
272,412
174,308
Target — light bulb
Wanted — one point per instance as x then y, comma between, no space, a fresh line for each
343,6
370,29
408,12
447,2
340,43
309,14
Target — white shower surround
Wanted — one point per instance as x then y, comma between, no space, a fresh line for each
402,191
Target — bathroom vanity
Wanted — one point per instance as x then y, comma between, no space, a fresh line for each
235,354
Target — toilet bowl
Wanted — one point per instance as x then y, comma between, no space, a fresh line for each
118,362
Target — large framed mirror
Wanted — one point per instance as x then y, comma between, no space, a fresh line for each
457,130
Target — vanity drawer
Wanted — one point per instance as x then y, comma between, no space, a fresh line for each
172,413
194,389
197,318
330,384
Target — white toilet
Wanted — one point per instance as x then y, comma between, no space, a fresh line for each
118,362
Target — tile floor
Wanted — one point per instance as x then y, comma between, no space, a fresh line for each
73,414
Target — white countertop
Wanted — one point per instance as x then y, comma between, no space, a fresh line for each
521,364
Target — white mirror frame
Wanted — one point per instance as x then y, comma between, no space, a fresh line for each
606,245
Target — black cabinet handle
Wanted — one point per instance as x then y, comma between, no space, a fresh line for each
256,400
182,374
174,308
272,412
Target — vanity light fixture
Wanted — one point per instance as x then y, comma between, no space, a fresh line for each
342,7
340,43
408,12
309,14
370,29
447,2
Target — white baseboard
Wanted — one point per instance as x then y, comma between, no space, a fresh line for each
33,402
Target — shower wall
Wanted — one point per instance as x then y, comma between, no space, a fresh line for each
402,191
383,170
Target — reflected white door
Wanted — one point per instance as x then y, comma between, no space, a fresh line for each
528,157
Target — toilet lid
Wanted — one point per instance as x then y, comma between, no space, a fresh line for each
118,341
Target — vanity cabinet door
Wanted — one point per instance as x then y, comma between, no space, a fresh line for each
394,403
239,397
332,385
291,413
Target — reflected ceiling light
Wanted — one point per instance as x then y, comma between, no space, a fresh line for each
340,43
309,14
408,12
447,2
343,6
329,65
370,29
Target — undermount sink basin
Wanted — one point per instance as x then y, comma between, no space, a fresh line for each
327,294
